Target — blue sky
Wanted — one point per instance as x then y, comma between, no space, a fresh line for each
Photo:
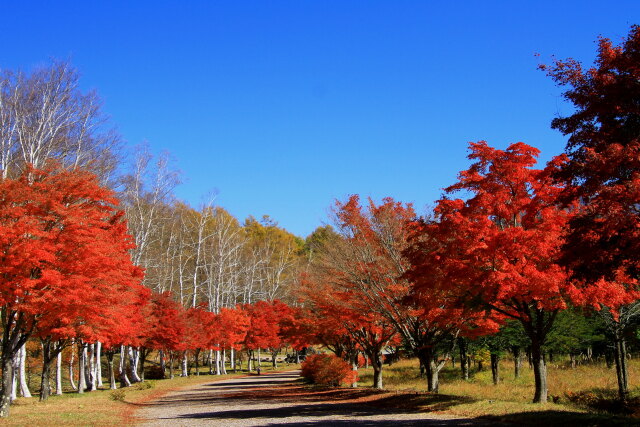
284,106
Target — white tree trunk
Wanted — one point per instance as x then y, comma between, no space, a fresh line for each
59,374
232,359
124,379
92,367
134,359
82,381
99,363
224,356
185,371
71,380
24,388
14,377
218,362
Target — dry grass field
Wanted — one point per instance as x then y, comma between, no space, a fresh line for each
585,394
102,407
582,396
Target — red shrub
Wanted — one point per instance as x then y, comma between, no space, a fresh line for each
326,369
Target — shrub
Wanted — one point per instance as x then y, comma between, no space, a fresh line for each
117,395
325,369
144,385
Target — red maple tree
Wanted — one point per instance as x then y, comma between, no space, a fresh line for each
64,250
603,170
165,327
231,326
499,249
368,265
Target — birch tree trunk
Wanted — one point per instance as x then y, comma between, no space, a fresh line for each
93,381
59,374
354,368
171,359
99,363
24,388
217,354
185,365
124,379
134,357
224,356
45,384
82,381
259,367
14,376
111,370
71,361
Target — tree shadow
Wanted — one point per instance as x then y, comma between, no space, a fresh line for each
604,400
243,384
562,418
295,394
321,411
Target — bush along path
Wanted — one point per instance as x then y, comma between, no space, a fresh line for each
279,399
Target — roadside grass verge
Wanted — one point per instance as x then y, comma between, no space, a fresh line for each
105,407
581,396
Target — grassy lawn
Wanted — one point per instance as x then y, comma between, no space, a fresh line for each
100,407
583,396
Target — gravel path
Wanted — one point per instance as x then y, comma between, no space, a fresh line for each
273,400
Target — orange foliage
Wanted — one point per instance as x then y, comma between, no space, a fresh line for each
327,369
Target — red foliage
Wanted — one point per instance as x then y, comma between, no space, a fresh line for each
65,262
502,244
166,325
231,326
499,249
200,329
327,369
295,329
265,323
604,167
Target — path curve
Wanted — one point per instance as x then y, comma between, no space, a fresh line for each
274,400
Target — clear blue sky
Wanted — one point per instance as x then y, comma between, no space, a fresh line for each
284,106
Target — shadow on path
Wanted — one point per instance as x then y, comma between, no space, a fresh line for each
320,411
280,399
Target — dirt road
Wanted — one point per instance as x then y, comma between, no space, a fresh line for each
278,399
